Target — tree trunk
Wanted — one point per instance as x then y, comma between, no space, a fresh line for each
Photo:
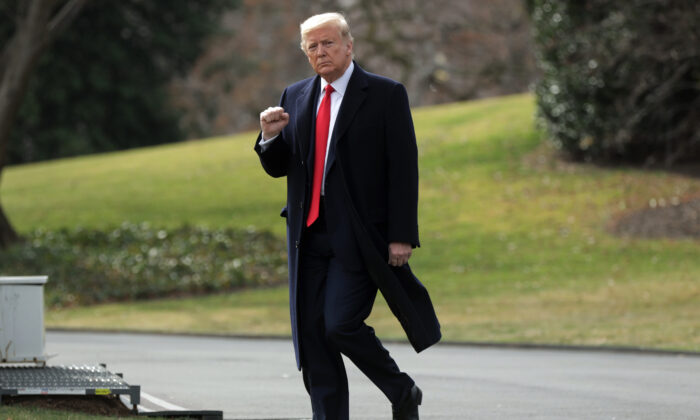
8,236
20,55
37,26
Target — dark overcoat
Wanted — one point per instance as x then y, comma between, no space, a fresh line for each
371,190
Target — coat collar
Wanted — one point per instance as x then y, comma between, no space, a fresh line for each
305,121
352,100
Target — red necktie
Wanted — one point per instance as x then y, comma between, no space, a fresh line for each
323,121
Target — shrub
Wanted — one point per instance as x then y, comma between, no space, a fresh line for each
139,261
620,79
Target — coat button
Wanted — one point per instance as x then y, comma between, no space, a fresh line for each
301,205
296,245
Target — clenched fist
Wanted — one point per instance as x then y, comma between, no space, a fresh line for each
272,121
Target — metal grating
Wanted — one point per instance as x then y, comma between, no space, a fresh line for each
64,380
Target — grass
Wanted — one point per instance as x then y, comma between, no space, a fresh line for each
34,413
255,312
514,242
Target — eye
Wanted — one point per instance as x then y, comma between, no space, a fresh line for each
312,47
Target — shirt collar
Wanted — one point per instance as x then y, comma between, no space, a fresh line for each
341,84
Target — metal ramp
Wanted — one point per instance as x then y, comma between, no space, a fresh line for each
23,369
65,380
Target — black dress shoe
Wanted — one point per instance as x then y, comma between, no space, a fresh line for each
408,409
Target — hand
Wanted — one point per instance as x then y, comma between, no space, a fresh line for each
272,121
399,253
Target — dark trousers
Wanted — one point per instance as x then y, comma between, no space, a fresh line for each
333,305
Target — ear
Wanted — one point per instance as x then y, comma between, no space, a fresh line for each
349,49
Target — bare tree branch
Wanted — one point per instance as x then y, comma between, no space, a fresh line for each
64,17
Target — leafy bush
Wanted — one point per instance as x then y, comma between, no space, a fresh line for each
139,261
621,79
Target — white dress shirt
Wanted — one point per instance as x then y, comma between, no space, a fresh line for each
339,88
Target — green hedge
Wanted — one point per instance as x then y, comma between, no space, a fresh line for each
620,79
139,261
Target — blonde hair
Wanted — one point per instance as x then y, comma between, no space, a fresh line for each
316,21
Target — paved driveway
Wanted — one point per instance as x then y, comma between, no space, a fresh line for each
257,379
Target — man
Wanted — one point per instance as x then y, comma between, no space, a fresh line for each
345,141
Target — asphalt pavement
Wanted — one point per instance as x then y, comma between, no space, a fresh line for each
257,379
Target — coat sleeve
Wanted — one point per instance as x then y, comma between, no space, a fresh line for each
402,159
275,157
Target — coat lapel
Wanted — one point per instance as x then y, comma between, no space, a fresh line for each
305,120
355,95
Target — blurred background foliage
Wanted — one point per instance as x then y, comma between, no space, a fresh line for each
140,261
442,51
135,73
103,85
620,80
615,81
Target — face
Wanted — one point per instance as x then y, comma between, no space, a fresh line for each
329,54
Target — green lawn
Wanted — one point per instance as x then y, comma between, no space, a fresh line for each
514,242
35,413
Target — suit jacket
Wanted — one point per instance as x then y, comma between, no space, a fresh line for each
371,190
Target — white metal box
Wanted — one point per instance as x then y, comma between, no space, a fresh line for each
22,319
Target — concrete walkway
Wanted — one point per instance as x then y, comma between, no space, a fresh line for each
257,379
